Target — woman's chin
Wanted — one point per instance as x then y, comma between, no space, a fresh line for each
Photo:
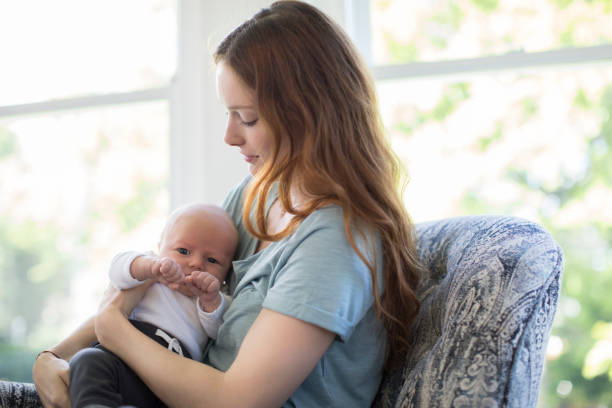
253,169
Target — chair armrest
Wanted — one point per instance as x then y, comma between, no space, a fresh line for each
487,306
18,395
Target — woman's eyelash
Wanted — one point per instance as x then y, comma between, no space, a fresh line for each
251,123
243,122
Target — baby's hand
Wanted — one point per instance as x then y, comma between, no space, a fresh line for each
168,272
206,287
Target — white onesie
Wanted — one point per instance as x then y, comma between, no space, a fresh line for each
171,311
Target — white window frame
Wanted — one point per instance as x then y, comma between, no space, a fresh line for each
358,26
202,167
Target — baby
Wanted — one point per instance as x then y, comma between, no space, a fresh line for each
181,310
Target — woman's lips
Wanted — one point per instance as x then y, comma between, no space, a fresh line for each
250,159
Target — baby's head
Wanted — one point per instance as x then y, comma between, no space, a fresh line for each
200,237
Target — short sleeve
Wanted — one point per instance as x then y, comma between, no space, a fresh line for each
323,282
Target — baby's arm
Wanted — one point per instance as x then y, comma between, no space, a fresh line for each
212,321
120,269
164,270
129,269
210,301
207,288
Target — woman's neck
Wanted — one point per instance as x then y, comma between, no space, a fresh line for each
278,217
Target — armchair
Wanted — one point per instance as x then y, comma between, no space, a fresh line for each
487,306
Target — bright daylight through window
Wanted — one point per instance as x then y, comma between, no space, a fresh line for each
487,121
84,126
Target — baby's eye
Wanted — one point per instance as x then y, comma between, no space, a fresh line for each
212,260
183,251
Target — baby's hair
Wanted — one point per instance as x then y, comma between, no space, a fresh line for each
193,208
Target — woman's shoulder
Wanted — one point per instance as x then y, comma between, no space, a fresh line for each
331,216
327,221
331,221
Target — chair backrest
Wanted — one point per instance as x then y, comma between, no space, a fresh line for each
487,306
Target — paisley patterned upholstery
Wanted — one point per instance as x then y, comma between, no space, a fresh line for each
479,340
487,308
17,395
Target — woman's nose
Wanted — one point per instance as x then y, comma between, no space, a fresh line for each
232,134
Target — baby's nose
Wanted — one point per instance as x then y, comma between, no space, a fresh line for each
196,263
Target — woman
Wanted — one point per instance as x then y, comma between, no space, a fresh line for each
326,267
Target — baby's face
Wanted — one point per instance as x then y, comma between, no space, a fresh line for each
200,242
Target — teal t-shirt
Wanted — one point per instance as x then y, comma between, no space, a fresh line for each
313,275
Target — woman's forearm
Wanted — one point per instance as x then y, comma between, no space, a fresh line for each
170,376
51,374
175,383
82,337
276,356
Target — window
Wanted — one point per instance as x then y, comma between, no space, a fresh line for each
450,30
84,163
506,107
69,48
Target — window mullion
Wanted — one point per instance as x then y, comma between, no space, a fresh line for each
513,60
358,25
144,95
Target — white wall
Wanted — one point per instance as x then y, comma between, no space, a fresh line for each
202,166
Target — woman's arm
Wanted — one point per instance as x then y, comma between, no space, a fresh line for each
276,356
51,374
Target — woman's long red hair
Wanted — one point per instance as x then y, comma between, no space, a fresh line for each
314,92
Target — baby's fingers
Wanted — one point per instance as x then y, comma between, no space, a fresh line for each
188,286
214,286
171,285
205,281
171,271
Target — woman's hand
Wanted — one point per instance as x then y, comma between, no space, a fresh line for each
115,308
51,376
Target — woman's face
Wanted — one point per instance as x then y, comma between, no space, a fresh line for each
245,129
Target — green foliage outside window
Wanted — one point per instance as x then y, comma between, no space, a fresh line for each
587,282
535,144
76,188
407,31
579,369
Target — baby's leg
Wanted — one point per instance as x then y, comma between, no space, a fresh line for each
98,377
